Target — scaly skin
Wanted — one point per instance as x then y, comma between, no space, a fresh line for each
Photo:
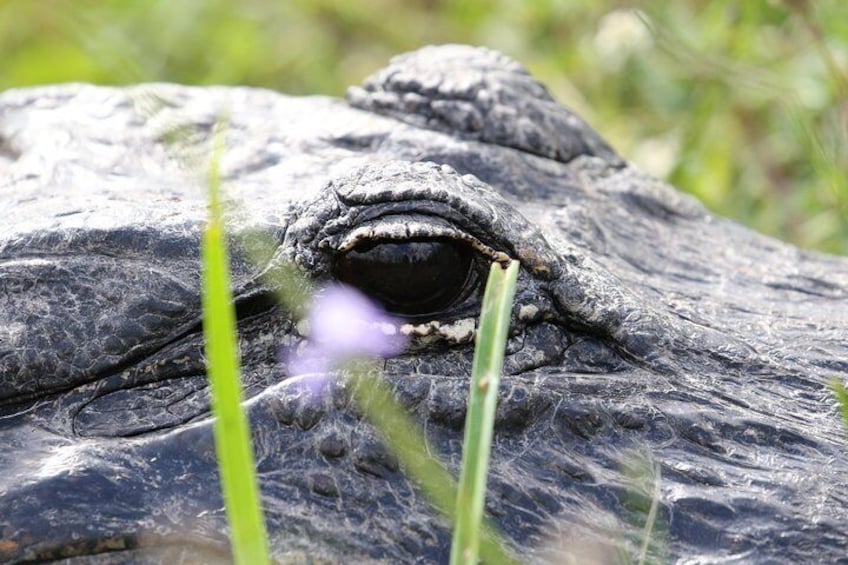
642,324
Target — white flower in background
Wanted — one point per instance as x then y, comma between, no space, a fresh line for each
622,33
658,155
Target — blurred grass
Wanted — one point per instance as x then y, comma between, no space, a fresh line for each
741,103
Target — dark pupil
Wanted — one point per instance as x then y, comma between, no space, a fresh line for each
412,278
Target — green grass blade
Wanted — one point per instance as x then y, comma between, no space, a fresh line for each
842,396
232,438
482,403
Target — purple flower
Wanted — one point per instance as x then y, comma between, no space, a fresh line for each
343,324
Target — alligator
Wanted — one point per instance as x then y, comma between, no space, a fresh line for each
647,333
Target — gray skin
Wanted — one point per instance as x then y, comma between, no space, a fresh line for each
643,327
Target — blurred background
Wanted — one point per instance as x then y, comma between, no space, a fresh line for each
742,103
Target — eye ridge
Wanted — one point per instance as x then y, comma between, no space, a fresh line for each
413,277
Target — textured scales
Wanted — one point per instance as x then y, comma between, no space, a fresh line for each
642,324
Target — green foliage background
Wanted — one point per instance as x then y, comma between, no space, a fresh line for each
742,103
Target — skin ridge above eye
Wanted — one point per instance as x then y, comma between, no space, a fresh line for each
429,187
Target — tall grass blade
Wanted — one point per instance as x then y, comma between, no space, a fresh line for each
482,403
842,396
232,438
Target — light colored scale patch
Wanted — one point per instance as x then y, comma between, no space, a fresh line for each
458,332
265,340
528,312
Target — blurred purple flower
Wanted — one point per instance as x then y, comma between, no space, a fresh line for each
343,324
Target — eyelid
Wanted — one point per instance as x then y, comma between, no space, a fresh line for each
406,227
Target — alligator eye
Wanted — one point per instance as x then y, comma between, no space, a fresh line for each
412,277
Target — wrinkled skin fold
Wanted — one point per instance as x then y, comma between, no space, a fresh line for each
643,327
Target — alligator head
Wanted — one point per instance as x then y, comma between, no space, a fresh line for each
642,324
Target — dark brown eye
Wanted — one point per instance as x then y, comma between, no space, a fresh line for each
410,278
